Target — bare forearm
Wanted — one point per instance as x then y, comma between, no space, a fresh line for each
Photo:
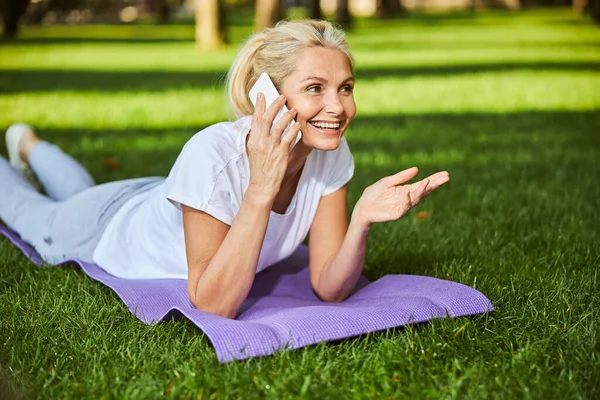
339,277
225,283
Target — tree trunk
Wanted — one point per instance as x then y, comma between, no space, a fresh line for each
342,14
396,7
513,4
593,7
382,9
13,10
314,9
209,25
388,8
579,5
267,14
162,10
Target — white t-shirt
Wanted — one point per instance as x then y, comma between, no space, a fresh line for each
145,240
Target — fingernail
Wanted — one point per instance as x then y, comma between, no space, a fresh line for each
281,97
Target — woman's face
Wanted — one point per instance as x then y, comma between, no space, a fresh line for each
320,89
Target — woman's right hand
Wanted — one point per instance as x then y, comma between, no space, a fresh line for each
268,152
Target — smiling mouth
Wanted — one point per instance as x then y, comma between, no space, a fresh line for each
326,125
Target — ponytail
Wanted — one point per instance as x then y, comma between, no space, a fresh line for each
242,75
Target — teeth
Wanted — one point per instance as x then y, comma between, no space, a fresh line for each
326,125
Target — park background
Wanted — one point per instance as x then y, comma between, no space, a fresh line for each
505,95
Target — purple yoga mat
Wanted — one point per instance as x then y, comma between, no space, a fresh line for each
282,312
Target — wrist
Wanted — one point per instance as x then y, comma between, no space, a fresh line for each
258,198
358,221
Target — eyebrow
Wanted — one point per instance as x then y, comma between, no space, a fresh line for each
323,80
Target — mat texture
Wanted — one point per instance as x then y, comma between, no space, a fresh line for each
282,312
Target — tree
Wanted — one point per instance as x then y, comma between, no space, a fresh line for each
267,13
209,24
12,11
579,5
388,8
162,10
342,14
593,8
314,9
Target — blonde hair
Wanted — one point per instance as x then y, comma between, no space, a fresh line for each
275,51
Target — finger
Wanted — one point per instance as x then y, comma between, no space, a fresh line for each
271,112
290,137
260,104
423,188
408,202
437,180
400,177
442,175
418,190
259,110
280,126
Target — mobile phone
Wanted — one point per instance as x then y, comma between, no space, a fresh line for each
265,85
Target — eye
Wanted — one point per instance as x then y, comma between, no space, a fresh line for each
314,89
347,89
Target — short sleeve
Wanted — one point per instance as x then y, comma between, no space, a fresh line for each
198,178
341,168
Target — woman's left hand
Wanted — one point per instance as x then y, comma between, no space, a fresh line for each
388,200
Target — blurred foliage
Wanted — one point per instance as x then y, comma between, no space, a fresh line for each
163,11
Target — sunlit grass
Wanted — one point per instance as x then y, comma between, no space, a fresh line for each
508,103
435,51
500,92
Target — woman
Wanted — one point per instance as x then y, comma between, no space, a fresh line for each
239,198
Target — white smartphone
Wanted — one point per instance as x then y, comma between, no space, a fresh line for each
265,85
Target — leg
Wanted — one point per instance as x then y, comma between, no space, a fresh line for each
60,175
64,229
18,198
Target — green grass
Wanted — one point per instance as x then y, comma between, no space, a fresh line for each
508,103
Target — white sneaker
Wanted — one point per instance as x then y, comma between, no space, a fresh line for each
14,134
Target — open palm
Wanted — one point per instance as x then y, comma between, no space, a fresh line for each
388,200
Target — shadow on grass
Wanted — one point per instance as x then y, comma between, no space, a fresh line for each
465,69
358,42
23,81
486,227
506,163
422,137
461,18
53,40
453,44
582,21
441,128
20,81
8,385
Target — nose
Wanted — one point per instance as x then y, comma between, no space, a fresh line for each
333,106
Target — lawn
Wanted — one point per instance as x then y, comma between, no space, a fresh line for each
509,104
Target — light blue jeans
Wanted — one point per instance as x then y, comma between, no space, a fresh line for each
69,221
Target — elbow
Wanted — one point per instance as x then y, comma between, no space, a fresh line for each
329,297
333,299
210,301
208,304
214,308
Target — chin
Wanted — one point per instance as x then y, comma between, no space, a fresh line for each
322,140
325,144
